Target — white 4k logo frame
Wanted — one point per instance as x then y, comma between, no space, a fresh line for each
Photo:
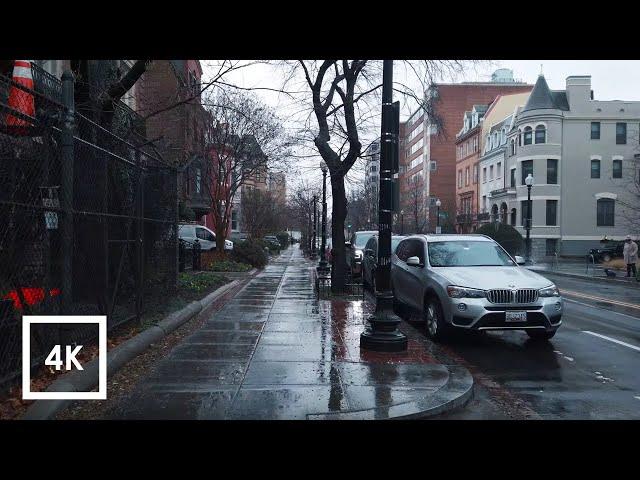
28,320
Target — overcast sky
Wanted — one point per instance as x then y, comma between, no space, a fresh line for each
610,80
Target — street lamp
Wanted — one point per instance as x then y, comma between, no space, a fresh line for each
381,333
438,203
529,182
323,266
315,222
401,222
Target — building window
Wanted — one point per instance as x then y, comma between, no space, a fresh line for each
595,130
552,171
606,212
552,212
524,209
513,217
551,244
528,132
198,180
617,169
513,177
374,168
234,220
621,133
466,176
491,172
484,174
527,168
595,168
519,138
513,147
499,170
541,134
475,173
459,178
484,203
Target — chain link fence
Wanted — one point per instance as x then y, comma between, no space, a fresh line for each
88,217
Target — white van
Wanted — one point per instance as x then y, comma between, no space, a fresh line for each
207,238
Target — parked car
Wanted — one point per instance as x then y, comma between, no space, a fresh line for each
272,239
207,238
355,251
604,254
469,282
370,260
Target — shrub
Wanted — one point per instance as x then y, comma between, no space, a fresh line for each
505,235
228,266
251,252
283,238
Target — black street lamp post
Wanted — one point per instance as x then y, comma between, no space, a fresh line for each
401,222
438,229
315,232
529,182
381,333
323,266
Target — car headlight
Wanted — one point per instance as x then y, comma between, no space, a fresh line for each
463,292
550,291
358,255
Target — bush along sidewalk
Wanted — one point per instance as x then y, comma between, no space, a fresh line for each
251,252
228,266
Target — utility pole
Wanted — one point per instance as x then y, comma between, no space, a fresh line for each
381,333
323,266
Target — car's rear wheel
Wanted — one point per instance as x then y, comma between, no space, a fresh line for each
435,325
541,334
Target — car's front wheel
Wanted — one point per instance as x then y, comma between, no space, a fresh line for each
606,257
435,325
541,334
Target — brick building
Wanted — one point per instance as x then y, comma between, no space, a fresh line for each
429,157
468,150
178,131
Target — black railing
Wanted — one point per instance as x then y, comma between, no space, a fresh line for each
484,216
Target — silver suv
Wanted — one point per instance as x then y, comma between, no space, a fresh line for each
469,282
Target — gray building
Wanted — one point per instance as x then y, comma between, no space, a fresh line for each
372,179
580,152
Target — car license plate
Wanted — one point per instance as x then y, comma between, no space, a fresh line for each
516,316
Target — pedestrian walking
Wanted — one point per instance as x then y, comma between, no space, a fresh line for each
630,254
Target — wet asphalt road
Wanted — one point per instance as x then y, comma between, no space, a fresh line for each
582,373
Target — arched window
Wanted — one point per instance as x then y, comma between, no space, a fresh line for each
541,134
528,132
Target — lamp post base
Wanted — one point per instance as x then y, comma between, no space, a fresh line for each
382,334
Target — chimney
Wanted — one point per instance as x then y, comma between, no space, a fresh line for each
579,90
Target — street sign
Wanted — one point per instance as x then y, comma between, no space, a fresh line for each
395,189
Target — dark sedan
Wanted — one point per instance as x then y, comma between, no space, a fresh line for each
605,254
370,261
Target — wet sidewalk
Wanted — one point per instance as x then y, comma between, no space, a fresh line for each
276,352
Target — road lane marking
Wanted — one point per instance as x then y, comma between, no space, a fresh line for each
600,299
600,308
619,342
637,397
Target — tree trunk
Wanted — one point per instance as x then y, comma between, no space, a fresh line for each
338,215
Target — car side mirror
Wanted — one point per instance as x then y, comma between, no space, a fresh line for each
347,244
520,260
414,262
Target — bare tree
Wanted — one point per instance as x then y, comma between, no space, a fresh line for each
245,142
260,213
344,98
416,207
630,198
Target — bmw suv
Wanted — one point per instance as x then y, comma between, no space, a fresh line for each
469,282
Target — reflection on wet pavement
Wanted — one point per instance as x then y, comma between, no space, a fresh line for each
276,352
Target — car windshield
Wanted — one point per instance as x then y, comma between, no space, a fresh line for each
394,243
362,239
467,254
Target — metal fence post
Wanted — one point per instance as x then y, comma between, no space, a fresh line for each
67,156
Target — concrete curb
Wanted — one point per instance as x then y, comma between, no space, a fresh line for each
87,379
454,394
588,278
